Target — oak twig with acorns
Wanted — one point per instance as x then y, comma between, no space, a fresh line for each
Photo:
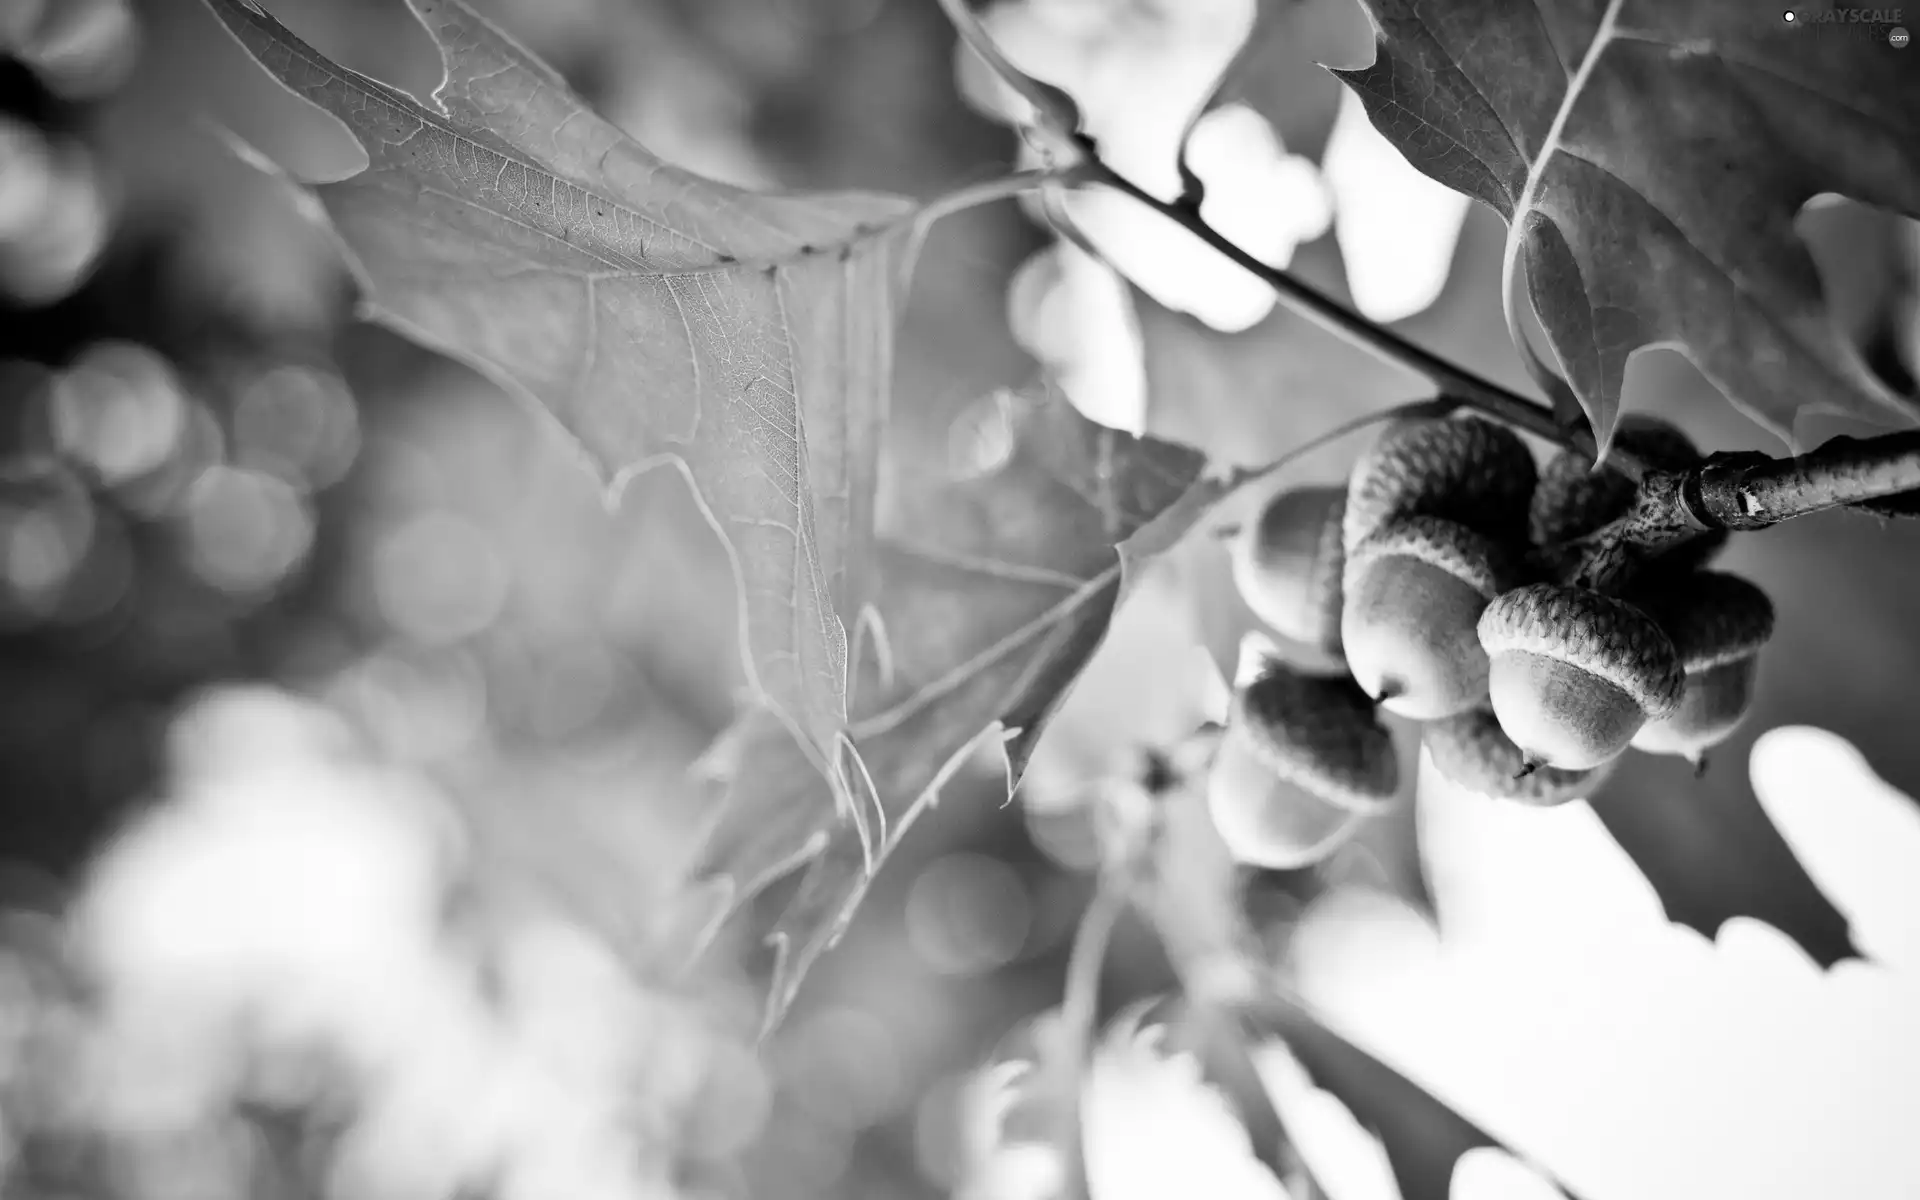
1537,621
1459,570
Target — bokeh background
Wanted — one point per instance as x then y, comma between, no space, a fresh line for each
343,731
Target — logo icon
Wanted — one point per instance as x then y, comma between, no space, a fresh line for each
1897,37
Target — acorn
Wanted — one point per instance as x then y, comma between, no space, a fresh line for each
1415,590
1718,624
1575,674
1572,499
1287,565
1304,761
1468,470
1473,752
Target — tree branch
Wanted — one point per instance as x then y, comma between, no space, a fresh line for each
1845,470
1055,112
1742,491
1080,1012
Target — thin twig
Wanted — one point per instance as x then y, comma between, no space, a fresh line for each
1080,1009
1057,112
1412,410
973,195
1455,381
987,191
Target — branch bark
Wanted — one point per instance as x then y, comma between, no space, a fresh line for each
1741,492
1845,470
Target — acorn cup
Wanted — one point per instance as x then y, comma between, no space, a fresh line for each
1468,470
1303,763
1574,674
1718,624
1572,499
1287,565
1473,752
1414,592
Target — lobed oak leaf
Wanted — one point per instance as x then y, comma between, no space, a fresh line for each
660,318
1650,157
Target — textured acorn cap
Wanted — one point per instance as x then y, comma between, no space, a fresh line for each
1471,557
1320,733
1297,535
1473,752
1605,637
1465,469
1573,499
1712,618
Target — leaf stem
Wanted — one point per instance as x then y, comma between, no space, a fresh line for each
987,191
973,195
1412,410
1080,1007
1454,381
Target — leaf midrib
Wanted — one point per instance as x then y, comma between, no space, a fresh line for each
1606,35
957,676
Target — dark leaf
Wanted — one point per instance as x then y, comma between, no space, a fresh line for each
1650,157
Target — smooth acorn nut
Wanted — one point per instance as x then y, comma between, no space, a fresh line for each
1473,752
1304,761
1287,565
1718,624
1414,591
1468,470
1575,674
1572,499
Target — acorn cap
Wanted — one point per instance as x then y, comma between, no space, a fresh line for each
1473,751
1320,733
1712,618
1330,566
1573,499
1321,585
1657,440
1470,557
1603,636
1466,469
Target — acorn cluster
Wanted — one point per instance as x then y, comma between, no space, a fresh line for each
1434,587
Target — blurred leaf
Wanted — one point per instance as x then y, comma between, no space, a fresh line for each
1649,159
994,592
661,318
1273,71
1857,835
1246,398
1196,904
